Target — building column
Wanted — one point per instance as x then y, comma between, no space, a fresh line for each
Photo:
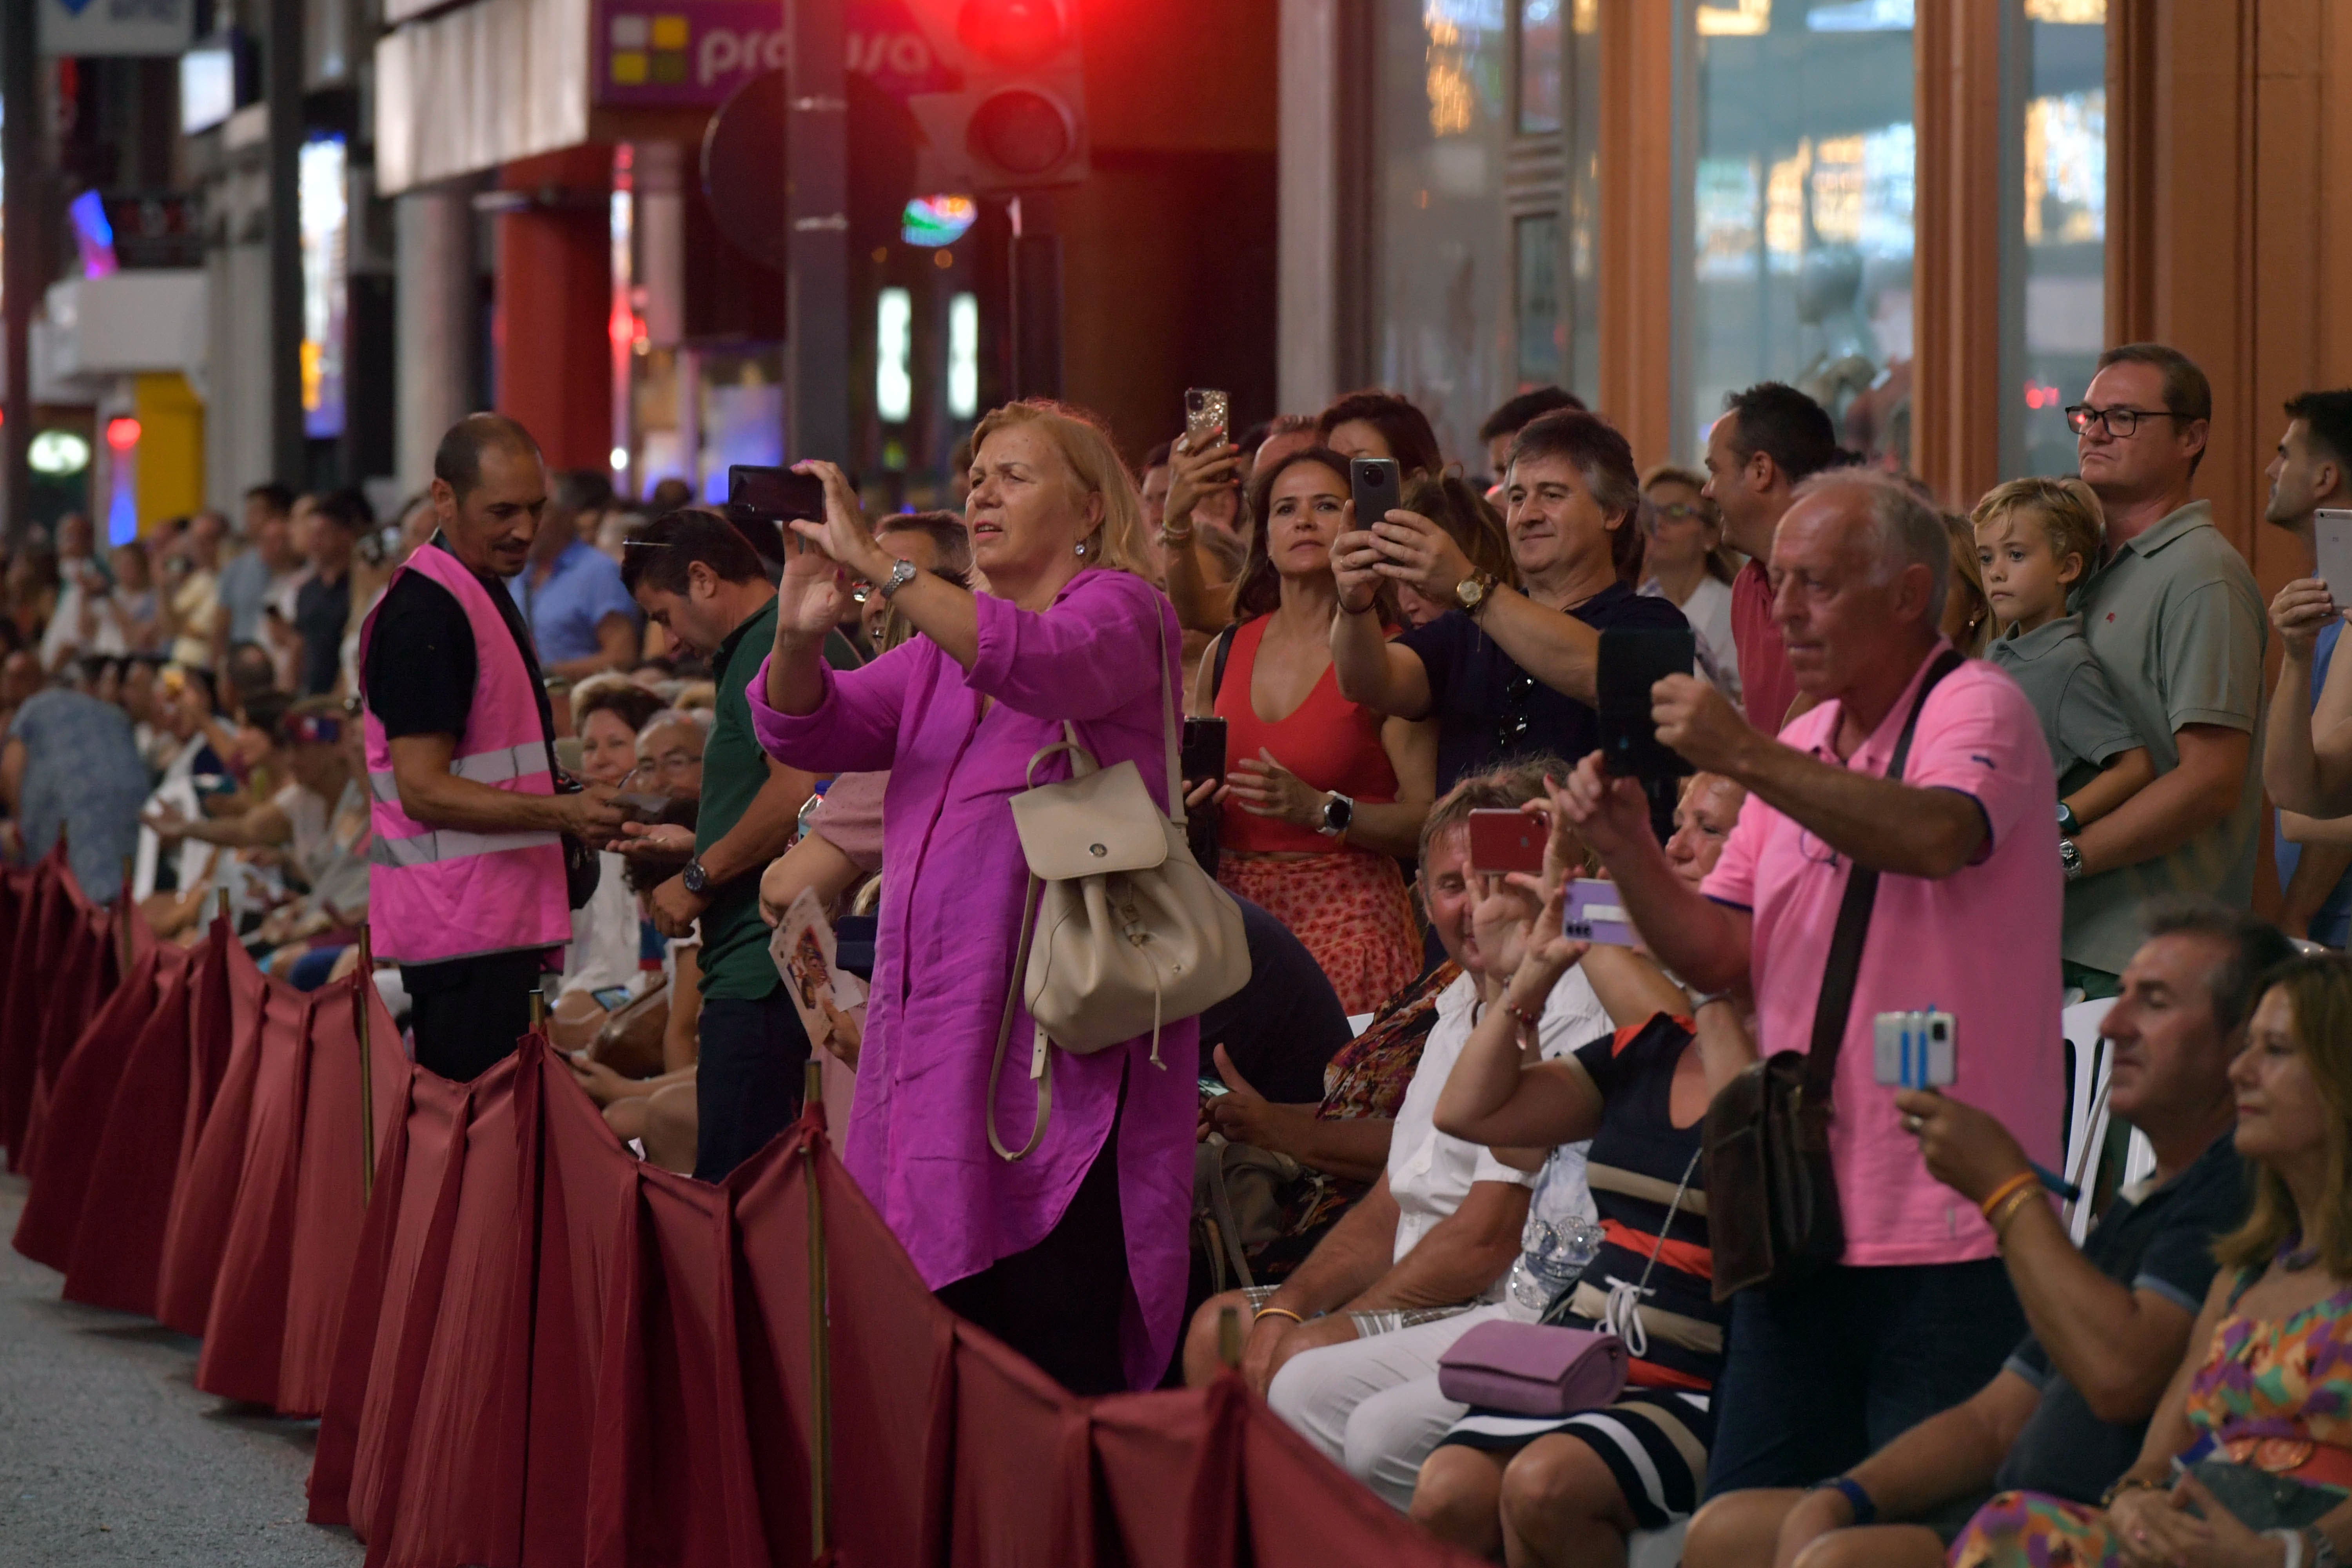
1644,192
1326,229
552,332
435,327
1961,313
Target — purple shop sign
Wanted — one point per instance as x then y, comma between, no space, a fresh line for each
690,54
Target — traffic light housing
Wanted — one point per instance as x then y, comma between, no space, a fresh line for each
1017,119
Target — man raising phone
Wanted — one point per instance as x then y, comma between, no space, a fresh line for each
466,888
1511,671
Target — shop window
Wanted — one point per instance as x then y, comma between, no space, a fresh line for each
1801,220
2057,243
1484,280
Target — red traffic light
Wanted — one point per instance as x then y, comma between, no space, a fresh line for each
1014,35
1022,133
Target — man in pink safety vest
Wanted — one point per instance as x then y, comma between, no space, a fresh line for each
467,884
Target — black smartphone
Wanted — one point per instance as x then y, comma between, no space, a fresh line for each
1203,755
1632,661
1374,484
775,495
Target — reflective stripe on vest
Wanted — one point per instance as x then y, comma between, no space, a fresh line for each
450,844
492,767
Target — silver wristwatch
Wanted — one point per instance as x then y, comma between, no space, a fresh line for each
1337,813
2070,857
901,573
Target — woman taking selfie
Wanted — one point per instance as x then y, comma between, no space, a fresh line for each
1321,794
1035,1250
2248,1462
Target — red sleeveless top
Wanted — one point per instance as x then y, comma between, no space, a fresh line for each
1328,742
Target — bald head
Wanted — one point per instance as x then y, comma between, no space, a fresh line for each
457,461
1859,570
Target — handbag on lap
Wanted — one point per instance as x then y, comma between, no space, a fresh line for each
1772,1203
1121,931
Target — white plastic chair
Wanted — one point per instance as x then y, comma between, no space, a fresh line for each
2086,1118
1656,1548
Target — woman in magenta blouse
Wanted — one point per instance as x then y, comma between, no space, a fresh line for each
1075,1256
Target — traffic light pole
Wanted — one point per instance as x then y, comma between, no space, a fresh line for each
288,449
817,151
20,283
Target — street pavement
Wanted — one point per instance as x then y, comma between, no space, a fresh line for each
108,1455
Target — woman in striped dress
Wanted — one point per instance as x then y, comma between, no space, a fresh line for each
1569,1489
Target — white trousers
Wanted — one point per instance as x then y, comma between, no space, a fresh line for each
1373,1404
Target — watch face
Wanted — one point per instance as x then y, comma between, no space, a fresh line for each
693,876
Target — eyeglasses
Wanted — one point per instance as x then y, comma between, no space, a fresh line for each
1679,510
2119,422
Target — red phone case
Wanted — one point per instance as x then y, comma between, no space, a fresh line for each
1504,841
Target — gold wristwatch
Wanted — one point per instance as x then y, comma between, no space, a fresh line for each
1472,591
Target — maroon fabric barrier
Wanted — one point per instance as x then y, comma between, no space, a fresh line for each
83,1097
48,927
212,1160
530,1350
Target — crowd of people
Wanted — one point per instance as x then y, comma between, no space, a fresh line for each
583,764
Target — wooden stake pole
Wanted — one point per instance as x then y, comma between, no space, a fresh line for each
366,978
122,907
820,1352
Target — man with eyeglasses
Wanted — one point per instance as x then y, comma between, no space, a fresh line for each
2175,617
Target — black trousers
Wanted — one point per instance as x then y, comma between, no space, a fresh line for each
747,1079
467,1013
1059,1303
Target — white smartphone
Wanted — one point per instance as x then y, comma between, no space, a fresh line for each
1915,1051
2331,536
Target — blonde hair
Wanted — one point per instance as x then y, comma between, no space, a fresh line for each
2068,512
1968,577
1094,469
2319,990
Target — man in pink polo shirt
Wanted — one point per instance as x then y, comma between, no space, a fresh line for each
1920,1313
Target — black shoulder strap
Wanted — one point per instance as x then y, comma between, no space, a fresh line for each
1836,1005
1217,670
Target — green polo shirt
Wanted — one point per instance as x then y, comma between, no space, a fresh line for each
735,961
2176,622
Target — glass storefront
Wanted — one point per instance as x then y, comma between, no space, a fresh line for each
1484,168
1802,197
2060,244
1798,143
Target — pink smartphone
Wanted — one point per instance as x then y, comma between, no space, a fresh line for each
1503,841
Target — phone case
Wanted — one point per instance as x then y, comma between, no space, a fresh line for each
1503,841
1593,914
1914,1050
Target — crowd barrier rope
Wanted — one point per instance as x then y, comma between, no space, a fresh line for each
529,1349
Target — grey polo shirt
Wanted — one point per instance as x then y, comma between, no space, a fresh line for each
2176,622
2085,725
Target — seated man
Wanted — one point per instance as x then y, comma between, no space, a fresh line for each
1395,1281
2109,1323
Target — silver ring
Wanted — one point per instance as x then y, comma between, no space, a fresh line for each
1912,1124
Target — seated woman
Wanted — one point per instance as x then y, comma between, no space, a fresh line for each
1568,1488
1328,793
1471,521
608,712
2248,1459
